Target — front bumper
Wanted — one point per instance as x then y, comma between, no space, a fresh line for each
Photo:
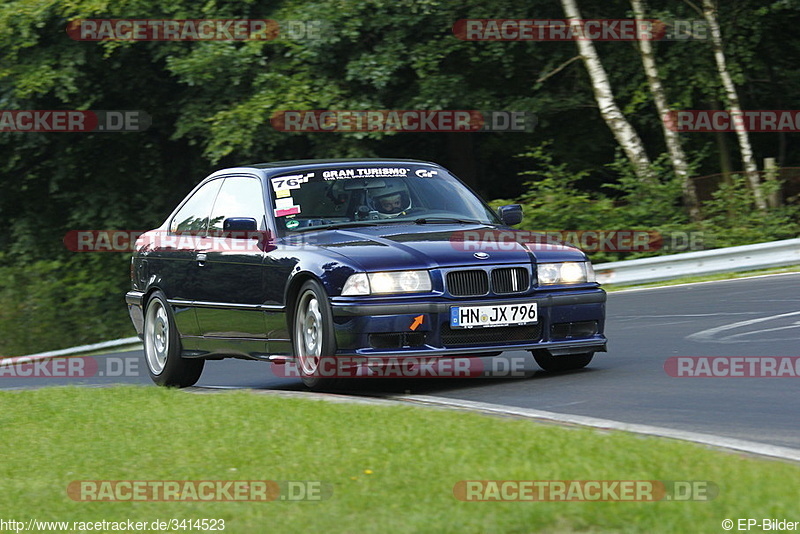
570,322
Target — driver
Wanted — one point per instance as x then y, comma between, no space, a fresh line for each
391,200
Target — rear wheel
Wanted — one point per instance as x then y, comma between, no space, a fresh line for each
162,347
312,336
556,364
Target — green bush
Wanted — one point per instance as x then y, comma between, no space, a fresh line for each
555,201
730,215
54,304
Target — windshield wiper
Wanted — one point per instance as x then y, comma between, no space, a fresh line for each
444,220
351,224
379,222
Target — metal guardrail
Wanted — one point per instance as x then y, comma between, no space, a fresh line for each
72,351
704,262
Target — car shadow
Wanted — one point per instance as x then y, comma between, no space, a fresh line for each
498,372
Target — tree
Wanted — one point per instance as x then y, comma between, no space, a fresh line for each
709,12
623,132
676,153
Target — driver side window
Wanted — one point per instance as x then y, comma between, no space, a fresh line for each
239,196
193,216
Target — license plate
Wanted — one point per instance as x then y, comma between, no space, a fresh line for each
493,315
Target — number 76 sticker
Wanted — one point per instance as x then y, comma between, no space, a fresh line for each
290,182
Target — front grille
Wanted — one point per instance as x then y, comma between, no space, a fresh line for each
475,283
510,280
500,334
467,283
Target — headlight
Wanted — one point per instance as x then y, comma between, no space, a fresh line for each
357,284
570,272
383,283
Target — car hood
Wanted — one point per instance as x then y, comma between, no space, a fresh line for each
395,246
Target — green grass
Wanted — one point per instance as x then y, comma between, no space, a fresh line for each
391,468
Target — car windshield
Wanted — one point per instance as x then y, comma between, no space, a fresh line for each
364,195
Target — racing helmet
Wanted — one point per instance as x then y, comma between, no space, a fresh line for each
390,200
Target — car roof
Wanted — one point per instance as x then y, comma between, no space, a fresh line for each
274,167
307,162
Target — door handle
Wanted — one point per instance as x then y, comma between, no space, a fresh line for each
201,259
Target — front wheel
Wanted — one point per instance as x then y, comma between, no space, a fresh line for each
312,336
162,347
555,364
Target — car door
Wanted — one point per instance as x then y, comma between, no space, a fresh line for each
172,264
229,303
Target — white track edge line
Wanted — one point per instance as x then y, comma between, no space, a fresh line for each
731,444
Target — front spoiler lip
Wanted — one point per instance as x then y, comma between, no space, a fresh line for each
556,348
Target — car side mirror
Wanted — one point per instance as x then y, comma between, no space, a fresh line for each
510,214
240,225
247,228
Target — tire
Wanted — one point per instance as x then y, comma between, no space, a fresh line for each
312,335
162,347
557,364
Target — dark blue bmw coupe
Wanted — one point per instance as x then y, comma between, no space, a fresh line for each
307,262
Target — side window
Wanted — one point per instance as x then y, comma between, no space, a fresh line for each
193,216
239,197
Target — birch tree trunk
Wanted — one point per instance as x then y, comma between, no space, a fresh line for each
748,160
676,153
623,132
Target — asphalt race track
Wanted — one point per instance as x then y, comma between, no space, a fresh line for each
746,317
